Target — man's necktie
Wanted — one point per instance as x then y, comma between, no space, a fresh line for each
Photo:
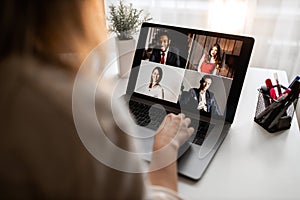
162,60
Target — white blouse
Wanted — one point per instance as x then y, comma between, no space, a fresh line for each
156,91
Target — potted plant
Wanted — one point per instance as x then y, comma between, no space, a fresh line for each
124,20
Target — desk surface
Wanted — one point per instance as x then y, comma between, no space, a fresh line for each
251,163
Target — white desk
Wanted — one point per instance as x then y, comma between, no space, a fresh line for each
251,163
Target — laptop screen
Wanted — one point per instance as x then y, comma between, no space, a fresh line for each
190,71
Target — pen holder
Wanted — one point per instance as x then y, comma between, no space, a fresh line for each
274,115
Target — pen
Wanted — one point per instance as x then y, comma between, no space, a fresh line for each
272,106
278,116
297,78
273,94
295,87
277,83
269,83
287,91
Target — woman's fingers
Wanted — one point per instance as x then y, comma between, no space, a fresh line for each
174,129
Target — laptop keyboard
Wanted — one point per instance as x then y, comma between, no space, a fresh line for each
151,117
146,115
201,131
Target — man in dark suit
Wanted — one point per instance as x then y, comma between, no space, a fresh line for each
165,54
201,98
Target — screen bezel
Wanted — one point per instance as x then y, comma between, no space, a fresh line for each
237,82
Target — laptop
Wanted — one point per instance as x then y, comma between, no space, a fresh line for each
195,72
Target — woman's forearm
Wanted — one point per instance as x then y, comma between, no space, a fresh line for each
163,167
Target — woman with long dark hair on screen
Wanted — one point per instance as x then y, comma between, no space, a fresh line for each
210,63
41,141
154,88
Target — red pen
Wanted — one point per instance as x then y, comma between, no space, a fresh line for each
287,91
271,88
273,94
269,83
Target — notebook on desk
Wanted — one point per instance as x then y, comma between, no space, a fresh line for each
195,72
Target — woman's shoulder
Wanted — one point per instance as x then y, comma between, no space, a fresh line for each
205,55
42,108
45,81
205,58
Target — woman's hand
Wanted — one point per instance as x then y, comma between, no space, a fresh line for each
173,131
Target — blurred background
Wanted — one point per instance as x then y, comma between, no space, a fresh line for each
275,25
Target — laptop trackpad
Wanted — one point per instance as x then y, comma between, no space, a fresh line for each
145,144
193,163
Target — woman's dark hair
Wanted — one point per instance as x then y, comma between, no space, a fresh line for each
159,78
47,29
218,55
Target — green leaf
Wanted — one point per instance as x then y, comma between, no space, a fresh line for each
125,20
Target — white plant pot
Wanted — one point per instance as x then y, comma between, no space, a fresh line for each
125,52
